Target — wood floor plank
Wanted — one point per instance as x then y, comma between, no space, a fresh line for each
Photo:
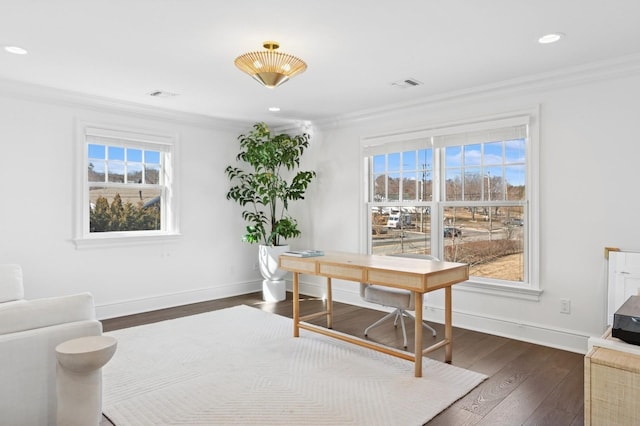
455,416
494,361
494,390
565,403
502,354
473,347
523,401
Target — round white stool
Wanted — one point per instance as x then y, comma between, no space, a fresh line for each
79,379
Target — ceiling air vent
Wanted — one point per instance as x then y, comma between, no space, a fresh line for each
162,94
409,82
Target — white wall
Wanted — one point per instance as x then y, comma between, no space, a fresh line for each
589,176
37,130
588,165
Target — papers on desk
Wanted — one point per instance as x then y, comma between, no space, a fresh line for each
304,253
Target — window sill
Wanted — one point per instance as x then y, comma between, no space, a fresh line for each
120,240
515,292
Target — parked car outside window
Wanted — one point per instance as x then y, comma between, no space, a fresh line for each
450,231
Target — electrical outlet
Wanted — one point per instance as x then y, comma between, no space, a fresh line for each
565,306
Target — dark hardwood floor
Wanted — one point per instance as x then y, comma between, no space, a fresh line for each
528,384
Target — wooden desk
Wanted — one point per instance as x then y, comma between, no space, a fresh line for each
417,275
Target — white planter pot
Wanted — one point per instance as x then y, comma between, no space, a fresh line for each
274,287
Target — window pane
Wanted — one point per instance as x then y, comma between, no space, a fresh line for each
515,151
453,185
124,209
453,156
489,238
494,189
409,160
425,159
152,157
493,153
401,230
394,187
96,171
378,164
472,183
152,174
425,189
116,153
96,151
134,173
116,171
379,193
425,167
472,155
134,155
394,162
515,182
409,191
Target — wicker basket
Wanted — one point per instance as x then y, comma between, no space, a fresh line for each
611,387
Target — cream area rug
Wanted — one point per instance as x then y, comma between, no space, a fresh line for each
242,366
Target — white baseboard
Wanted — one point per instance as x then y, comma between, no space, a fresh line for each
568,340
168,300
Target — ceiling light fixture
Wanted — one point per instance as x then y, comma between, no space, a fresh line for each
16,50
268,67
550,38
274,109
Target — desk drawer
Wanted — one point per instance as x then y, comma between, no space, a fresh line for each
295,264
407,281
351,273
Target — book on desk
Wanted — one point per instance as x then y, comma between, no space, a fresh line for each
304,253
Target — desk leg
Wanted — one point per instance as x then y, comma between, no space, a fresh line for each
329,304
296,305
448,326
418,334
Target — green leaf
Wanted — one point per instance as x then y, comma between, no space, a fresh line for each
259,186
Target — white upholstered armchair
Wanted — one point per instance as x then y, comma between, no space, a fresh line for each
30,330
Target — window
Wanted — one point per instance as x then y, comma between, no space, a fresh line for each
127,185
462,193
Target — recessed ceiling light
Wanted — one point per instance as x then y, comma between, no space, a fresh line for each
274,109
550,38
16,50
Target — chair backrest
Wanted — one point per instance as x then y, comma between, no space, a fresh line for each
11,283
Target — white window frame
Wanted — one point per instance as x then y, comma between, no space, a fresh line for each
131,138
423,138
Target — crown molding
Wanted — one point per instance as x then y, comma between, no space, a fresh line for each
55,96
596,71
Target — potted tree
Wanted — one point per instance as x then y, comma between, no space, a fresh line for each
267,180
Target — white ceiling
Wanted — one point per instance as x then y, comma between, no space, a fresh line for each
355,49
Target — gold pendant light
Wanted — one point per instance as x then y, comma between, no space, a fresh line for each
270,68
